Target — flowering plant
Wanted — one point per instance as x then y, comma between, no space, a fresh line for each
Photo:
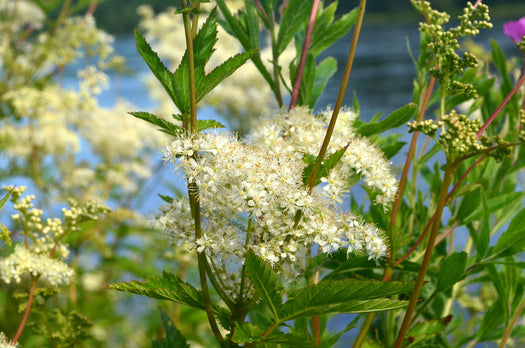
271,237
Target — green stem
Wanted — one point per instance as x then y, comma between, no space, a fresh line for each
191,68
275,62
509,328
192,187
340,96
240,300
447,179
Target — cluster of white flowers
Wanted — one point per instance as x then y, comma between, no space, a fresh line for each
21,13
300,131
24,262
253,197
239,97
43,256
4,342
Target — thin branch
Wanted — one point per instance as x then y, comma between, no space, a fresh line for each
304,54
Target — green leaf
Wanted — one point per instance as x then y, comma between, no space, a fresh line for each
512,241
177,86
394,120
494,204
164,125
173,339
451,269
169,287
6,197
165,198
326,31
207,124
347,296
217,75
245,37
482,243
326,166
251,334
426,330
500,62
323,72
294,17
266,282
390,145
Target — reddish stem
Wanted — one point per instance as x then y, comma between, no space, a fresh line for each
261,9
420,239
29,304
444,235
502,105
477,3
304,54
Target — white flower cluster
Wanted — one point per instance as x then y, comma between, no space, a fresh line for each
24,262
253,198
43,256
21,13
4,342
239,97
300,131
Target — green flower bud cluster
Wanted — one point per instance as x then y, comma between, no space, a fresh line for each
445,43
521,45
427,127
459,135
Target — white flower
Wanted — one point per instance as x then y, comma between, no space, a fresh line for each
23,263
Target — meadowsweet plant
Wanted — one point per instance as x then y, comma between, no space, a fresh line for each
266,215
37,263
58,139
291,216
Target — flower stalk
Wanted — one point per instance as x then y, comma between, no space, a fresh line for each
192,187
447,179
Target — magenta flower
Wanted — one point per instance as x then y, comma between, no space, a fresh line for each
515,29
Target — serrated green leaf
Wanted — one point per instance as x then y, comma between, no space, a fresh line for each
173,339
266,282
326,166
394,120
426,330
512,241
169,287
165,126
177,86
251,334
294,18
451,269
323,72
327,32
347,296
207,124
217,75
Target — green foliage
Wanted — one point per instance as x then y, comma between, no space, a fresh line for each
394,120
173,339
177,84
265,281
